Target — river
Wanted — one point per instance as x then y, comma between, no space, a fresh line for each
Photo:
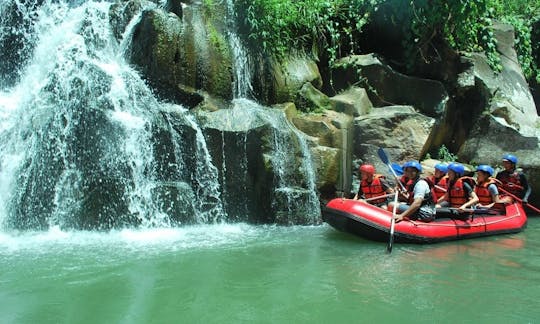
235,273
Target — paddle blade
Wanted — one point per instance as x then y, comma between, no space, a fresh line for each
382,155
390,243
397,168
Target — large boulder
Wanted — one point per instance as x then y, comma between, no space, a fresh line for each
400,130
331,147
353,102
509,122
281,80
387,87
506,94
184,58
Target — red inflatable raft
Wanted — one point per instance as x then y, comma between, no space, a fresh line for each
371,222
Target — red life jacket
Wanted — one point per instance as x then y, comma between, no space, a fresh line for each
437,186
511,182
456,194
482,191
410,190
403,180
373,189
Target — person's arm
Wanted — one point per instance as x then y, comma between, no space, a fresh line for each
526,188
473,198
494,197
386,186
417,202
494,191
443,198
359,193
421,189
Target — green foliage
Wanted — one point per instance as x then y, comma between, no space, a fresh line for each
521,14
319,26
445,155
331,28
465,25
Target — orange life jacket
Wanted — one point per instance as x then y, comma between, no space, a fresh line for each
437,186
373,189
482,191
456,194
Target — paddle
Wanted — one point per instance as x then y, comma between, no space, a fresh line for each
384,159
453,211
520,200
392,224
379,197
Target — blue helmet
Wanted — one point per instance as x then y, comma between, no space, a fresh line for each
413,164
458,168
485,168
510,157
441,167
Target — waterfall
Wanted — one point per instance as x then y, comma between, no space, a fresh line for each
86,144
242,64
80,134
294,195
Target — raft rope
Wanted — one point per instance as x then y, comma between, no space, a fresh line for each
464,225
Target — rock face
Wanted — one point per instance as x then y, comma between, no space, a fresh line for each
280,81
510,123
17,37
388,87
185,57
264,164
331,148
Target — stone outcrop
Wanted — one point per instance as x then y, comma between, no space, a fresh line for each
184,58
510,122
280,81
400,130
263,164
388,87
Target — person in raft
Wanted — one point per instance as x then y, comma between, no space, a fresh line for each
403,183
373,187
438,180
459,190
420,205
487,191
512,180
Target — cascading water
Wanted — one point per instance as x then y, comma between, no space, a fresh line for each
84,142
292,196
80,134
242,64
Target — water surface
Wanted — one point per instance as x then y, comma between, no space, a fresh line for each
264,274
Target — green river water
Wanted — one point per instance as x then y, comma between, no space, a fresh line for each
265,274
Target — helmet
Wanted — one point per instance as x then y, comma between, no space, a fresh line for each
441,167
367,168
510,158
458,168
406,164
485,168
413,164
